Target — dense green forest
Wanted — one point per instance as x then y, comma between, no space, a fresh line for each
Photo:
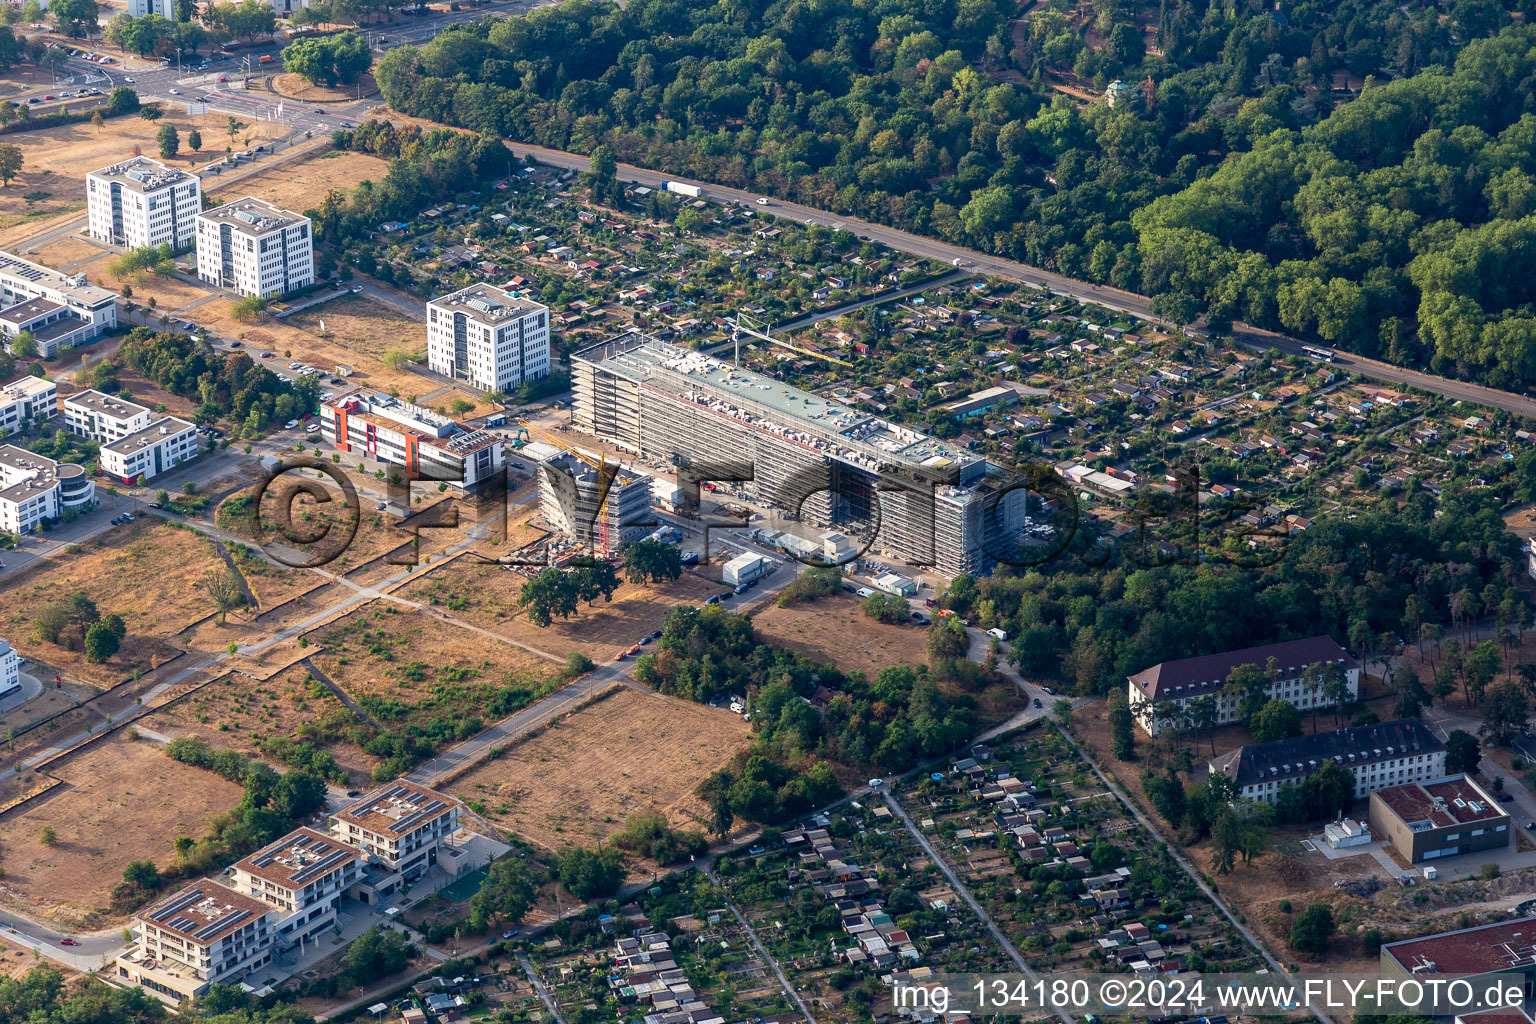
1239,187
1421,571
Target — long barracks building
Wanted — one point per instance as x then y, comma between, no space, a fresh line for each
934,503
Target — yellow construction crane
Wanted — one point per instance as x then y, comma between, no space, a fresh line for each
600,466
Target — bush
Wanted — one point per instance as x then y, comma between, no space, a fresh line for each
887,608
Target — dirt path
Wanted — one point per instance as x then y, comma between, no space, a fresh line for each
341,695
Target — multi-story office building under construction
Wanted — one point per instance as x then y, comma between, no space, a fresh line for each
573,501
931,502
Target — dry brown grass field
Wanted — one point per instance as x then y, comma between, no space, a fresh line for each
146,571
577,780
121,800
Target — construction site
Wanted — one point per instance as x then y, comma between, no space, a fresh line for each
925,500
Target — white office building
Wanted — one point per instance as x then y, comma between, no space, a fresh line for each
22,401
428,445
400,826
56,309
158,448
33,489
488,337
1166,694
165,8
142,202
254,248
10,669
102,417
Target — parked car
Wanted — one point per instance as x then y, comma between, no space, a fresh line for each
1038,704
510,933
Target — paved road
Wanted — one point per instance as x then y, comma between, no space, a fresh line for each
542,989
1188,868
762,951
942,863
1111,298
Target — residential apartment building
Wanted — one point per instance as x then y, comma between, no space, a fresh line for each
141,202
103,418
23,401
158,448
206,934
1380,756
488,337
10,669
303,876
573,503
930,501
400,826
33,489
56,309
254,248
428,445
1447,817
1163,693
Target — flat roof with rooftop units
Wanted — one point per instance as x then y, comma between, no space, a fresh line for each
298,858
32,472
106,405
72,286
141,174
486,303
821,423
28,387
252,215
157,431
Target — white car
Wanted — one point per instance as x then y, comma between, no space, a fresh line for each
175,92
876,783
762,200
960,262
290,424
1000,634
128,79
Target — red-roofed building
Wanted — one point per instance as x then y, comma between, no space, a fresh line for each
1486,949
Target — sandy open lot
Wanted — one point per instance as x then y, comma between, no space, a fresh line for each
364,327
834,629
145,571
577,780
56,161
120,801
301,187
